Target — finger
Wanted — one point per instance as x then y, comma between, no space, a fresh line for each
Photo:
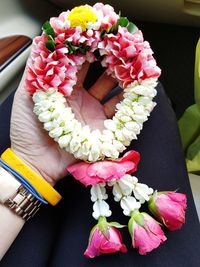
109,106
22,85
82,73
102,86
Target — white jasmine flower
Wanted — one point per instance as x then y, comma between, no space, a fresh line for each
129,135
133,126
125,186
119,105
48,126
125,110
145,91
85,148
109,150
59,120
45,116
109,133
119,145
94,153
150,106
127,142
117,192
98,193
110,125
64,140
75,144
51,91
142,192
120,136
57,111
151,82
144,100
139,118
125,118
39,96
139,110
57,132
129,97
101,208
129,204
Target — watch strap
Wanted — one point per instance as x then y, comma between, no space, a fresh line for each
8,185
23,203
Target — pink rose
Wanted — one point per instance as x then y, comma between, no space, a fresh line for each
146,233
101,242
169,208
102,171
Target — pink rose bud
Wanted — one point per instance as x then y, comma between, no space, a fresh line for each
146,232
104,238
169,208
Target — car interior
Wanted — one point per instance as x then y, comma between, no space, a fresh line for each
171,26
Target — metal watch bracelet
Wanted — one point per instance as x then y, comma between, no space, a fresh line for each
23,203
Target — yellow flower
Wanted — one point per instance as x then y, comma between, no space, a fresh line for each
80,16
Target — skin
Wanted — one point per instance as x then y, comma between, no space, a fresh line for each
32,143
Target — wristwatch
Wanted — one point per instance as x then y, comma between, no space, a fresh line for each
23,203
14,196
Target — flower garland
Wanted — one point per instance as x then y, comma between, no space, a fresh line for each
91,33
52,109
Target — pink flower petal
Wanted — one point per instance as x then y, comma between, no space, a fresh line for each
102,171
99,244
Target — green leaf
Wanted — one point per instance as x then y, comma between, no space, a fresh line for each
76,48
114,29
193,149
116,224
197,75
189,125
139,218
48,30
123,21
132,27
103,226
50,45
103,32
193,166
131,225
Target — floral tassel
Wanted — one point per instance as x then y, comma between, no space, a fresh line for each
104,237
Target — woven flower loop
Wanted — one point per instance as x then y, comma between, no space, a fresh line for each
97,33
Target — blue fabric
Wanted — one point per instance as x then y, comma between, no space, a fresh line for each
57,236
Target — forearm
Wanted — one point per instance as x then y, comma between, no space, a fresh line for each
10,226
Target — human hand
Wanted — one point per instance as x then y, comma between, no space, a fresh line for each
32,143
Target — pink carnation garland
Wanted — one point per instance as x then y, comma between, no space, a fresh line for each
56,57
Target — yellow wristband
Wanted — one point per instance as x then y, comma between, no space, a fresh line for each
44,188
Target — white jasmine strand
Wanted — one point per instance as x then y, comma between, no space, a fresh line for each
58,118
130,193
98,196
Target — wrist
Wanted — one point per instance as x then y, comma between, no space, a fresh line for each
33,164
29,178
15,197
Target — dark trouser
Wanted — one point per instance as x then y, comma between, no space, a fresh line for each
57,236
